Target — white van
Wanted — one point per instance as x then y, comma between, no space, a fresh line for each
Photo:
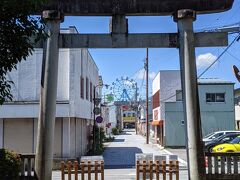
217,134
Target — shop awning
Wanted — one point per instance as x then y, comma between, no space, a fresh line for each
157,123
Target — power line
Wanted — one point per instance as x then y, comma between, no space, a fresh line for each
141,87
225,50
216,28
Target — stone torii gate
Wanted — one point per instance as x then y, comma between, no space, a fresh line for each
184,12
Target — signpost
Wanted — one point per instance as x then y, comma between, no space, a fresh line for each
99,119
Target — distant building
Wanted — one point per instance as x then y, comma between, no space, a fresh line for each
141,125
216,106
237,107
111,118
77,77
128,117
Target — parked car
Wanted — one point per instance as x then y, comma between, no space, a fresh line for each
233,146
220,140
217,134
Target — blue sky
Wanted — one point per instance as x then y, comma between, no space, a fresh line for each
114,63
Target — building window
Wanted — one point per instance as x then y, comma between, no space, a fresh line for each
91,92
94,91
178,95
129,114
87,88
124,115
215,97
133,114
82,87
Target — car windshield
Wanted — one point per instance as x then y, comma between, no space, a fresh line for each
236,140
220,137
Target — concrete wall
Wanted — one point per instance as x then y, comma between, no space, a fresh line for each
30,110
73,63
156,89
228,105
214,116
73,113
237,112
27,77
82,64
170,81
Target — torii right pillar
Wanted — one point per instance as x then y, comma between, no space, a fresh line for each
196,168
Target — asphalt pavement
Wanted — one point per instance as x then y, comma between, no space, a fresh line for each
119,156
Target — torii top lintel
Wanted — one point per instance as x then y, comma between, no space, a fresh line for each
137,7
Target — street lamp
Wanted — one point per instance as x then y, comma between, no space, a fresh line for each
96,101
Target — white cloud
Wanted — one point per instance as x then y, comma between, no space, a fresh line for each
142,74
204,60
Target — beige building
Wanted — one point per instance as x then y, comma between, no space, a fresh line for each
77,77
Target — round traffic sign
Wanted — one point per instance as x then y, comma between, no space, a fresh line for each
99,119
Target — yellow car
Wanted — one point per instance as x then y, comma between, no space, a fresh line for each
233,146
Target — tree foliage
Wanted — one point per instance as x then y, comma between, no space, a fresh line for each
17,26
10,163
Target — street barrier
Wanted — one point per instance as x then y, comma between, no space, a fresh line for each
222,165
87,169
154,169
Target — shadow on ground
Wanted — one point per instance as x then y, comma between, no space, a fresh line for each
120,157
119,140
125,133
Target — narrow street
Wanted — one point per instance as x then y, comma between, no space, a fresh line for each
121,152
119,156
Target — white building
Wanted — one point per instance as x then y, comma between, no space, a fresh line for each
237,107
77,76
216,105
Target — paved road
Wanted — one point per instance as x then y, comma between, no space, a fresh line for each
119,156
182,153
121,152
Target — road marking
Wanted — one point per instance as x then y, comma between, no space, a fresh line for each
179,159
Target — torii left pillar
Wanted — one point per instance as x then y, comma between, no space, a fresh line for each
46,120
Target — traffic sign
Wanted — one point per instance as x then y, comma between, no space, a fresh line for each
96,110
99,119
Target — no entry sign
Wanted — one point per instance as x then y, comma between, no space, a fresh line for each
99,119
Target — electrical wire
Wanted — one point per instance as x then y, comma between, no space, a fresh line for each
213,29
142,84
225,50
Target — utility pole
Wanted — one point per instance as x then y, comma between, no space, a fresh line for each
147,125
136,103
184,19
46,120
94,119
